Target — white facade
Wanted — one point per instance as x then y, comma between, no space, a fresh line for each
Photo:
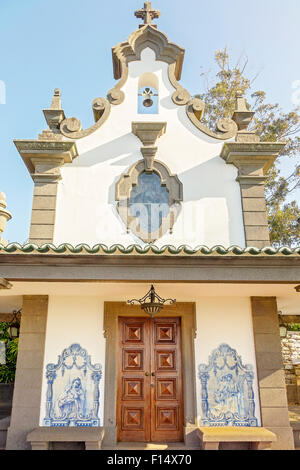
211,209
202,368
79,319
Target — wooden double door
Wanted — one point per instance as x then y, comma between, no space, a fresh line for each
150,389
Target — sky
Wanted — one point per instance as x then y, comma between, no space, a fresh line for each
67,44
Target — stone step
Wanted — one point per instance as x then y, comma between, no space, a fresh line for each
150,446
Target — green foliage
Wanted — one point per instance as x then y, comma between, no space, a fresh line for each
8,370
271,124
293,326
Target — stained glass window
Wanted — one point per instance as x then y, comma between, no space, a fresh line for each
149,202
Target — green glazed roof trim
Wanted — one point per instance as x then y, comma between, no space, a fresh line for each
166,250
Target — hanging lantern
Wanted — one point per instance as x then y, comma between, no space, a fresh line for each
14,326
151,303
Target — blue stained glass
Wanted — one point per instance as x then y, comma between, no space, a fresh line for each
149,202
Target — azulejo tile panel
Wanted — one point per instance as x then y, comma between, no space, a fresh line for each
73,395
227,395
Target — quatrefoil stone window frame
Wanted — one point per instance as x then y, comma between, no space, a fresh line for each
123,190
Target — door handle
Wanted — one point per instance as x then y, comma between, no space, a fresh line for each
153,374
147,374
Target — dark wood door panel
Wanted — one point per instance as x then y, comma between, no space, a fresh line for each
133,399
133,332
133,360
165,332
167,418
165,361
167,396
150,401
133,389
133,418
166,389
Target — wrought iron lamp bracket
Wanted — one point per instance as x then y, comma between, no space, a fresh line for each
151,303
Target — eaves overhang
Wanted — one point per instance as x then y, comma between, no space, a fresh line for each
168,264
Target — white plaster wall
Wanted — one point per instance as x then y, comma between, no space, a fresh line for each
86,208
74,319
79,319
225,320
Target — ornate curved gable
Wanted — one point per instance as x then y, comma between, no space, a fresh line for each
148,36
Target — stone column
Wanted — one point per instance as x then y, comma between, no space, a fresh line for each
46,178
44,159
271,379
29,374
253,160
254,211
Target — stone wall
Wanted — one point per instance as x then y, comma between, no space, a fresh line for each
6,396
291,357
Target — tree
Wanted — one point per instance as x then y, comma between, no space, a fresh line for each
271,124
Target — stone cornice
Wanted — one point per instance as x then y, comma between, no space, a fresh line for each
263,148
259,155
45,157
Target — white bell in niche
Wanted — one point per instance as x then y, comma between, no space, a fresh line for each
148,94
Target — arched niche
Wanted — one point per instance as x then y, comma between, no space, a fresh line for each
149,205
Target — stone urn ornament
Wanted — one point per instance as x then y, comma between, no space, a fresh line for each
5,216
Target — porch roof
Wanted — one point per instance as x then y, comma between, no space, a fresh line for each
66,263
166,250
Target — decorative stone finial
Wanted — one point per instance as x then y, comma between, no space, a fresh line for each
56,101
54,116
147,14
4,216
242,116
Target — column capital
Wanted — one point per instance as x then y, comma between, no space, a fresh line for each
43,159
253,159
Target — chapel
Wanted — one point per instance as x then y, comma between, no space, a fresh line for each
148,291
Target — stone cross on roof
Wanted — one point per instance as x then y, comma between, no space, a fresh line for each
147,14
